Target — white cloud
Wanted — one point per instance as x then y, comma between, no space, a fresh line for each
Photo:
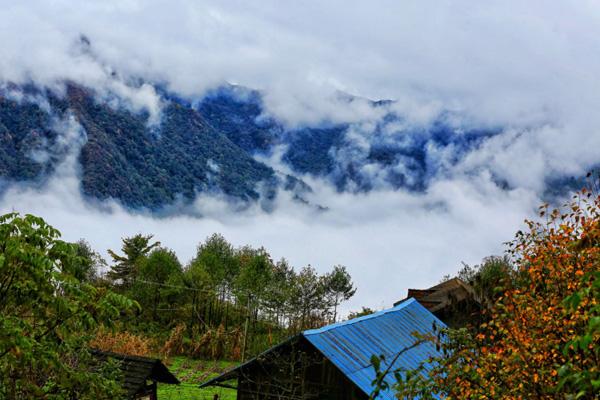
528,68
390,241
501,63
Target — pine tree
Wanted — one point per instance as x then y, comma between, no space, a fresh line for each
134,248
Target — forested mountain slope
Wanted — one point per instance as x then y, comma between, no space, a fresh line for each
152,159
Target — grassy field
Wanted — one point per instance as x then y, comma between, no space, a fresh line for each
191,373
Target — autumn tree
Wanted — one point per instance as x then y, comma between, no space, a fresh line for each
541,338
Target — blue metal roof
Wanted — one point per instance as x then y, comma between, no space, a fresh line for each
349,345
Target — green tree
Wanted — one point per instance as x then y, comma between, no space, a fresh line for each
47,317
134,248
488,279
364,311
307,298
256,271
88,263
215,268
198,295
217,256
160,277
338,287
279,291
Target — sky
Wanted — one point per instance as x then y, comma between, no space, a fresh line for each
530,68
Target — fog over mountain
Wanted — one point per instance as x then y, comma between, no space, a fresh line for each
398,139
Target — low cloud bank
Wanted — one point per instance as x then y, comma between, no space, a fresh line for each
388,240
526,69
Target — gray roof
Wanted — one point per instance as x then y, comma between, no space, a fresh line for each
137,370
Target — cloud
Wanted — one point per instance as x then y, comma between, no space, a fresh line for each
389,241
526,70
512,64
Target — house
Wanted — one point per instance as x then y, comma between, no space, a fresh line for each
453,301
334,362
139,374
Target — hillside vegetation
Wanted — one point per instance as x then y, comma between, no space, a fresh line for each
211,145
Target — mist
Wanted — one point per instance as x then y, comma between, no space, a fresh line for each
389,240
527,70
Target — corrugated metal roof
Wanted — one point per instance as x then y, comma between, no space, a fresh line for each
350,344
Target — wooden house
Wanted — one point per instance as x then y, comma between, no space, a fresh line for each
453,301
139,375
334,362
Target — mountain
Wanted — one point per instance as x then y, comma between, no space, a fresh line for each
124,158
238,113
210,145
384,152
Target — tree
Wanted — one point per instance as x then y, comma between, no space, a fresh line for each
307,296
541,338
47,317
256,271
196,279
251,286
88,263
486,279
279,291
160,277
338,287
134,248
217,256
364,311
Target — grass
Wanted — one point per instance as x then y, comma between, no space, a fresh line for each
192,373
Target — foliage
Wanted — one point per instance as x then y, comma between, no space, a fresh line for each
307,296
383,368
208,146
88,263
238,298
240,118
310,149
364,311
227,302
47,316
217,257
26,139
488,279
163,267
542,334
338,287
134,249
142,165
174,345
121,342
256,270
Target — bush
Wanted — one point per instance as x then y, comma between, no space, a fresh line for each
122,342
